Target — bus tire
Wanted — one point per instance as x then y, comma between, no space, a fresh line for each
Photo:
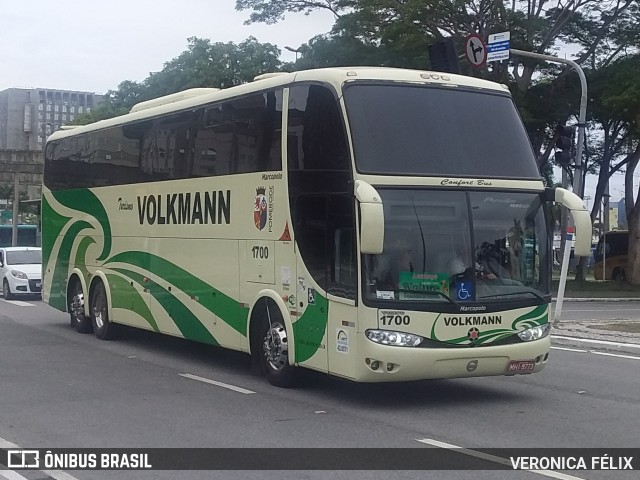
75,300
6,290
618,274
272,348
103,328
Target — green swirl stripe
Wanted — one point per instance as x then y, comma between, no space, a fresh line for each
125,296
533,318
85,201
188,324
51,228
57,298
224,307
80,263
539,311
310,328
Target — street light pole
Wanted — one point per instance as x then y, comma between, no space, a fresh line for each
294,50
16,205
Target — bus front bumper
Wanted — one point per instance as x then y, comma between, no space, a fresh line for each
383,363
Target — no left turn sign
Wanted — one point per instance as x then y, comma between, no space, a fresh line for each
476,50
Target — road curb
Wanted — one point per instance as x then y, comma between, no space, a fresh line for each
598,299
601,345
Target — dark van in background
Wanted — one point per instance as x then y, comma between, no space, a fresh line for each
611,254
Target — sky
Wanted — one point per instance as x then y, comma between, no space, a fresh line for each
93,45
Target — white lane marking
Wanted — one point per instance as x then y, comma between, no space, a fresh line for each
56,474
59,475
493,458
20,303
601,342
614,355
603,310
218,384
595,352
4,444
569,349
11,475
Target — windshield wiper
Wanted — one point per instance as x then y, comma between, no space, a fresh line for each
428,292
511,294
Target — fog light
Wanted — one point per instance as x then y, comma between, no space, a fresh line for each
375,365
390,367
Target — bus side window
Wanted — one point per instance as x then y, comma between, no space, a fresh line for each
316,134
321,195
310,226
240,136
343,274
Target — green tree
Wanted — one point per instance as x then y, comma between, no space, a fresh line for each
202,64
599,28
272,11
615,113
6,193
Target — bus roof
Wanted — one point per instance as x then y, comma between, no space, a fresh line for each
336,76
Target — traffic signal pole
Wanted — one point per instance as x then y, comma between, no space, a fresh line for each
578,177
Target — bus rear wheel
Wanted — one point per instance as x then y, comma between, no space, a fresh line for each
78,319
103,328
272,347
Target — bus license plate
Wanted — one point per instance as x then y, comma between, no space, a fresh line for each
521,366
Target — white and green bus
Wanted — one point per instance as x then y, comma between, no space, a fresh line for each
312,219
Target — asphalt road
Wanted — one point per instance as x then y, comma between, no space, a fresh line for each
587,310
62,389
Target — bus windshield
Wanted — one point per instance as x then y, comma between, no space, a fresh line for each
454,246
418,130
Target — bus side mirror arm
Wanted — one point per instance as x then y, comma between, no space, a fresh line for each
371,218
581,218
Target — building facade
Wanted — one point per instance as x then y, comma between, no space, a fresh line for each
29,116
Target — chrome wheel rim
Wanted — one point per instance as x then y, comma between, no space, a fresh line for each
97,314
275,347
77,306
99,310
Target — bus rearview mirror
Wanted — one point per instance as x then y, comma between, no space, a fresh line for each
581,219
371,218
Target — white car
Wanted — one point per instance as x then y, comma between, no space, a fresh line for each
21,269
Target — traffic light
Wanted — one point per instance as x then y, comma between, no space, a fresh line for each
443,57
564,144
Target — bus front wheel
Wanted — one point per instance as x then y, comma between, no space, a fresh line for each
102,327
272,346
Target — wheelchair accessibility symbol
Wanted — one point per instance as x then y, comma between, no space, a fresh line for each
464,290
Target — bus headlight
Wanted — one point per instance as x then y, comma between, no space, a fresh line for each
397,339
535,333
19,274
